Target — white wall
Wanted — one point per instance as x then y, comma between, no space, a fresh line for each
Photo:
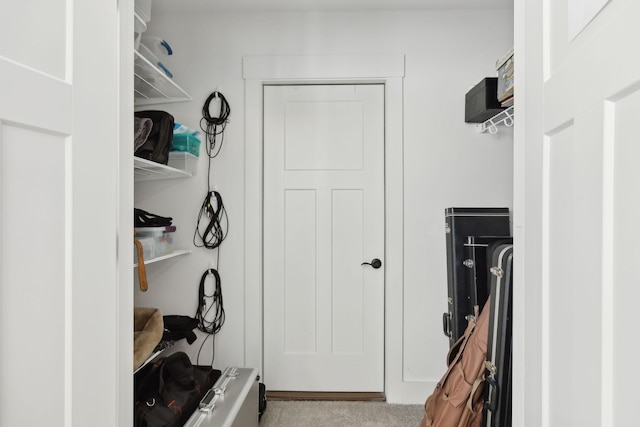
446,162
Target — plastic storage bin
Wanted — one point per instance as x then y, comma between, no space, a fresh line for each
187,143
151,57
156,242
183,161
161,51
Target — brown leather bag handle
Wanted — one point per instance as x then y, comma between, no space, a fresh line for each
142,271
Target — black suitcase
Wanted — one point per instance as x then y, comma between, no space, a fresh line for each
478,252
497,398
459,224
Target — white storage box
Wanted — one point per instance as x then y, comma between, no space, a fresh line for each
183,161
155,241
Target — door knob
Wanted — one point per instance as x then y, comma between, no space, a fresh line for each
375,263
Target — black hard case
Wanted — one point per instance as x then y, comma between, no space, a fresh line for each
497,399
478,252
459,224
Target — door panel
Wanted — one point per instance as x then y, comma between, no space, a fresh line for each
27,36
311,145
32,297
300,282
323,217
347,316
625,234
590,112
58,207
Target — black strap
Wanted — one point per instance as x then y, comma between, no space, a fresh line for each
145,219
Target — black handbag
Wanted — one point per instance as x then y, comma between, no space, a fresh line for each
169,390
156,147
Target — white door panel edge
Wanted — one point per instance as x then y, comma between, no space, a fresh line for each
574,220
58,217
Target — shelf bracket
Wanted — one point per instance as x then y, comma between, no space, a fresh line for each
504,117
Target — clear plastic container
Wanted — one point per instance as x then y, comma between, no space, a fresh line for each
183,161
155,242
160,49
186,142
147,53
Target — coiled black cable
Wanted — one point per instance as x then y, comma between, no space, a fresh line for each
211,234
210,326
214,126
207,303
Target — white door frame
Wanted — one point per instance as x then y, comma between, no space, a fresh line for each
387,69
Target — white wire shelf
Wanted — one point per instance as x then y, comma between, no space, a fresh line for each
504,117
153,86
173,254
146,170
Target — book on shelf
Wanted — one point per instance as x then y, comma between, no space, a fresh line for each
507,56
507,102
506,94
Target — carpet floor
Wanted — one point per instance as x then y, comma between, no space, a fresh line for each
343,414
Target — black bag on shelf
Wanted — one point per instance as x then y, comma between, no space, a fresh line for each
168,391
177,327
156,147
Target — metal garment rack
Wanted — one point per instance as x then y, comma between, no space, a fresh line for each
504,117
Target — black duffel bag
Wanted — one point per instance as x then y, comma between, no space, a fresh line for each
168,391
156,147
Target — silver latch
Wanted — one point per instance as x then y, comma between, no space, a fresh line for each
447,229
489,366
497,271
468,263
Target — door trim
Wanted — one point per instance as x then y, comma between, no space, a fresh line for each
387,69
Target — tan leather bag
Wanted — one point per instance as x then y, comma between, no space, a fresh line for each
457,399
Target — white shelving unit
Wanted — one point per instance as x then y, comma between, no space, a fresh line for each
153,86
173,254
504,117
146,170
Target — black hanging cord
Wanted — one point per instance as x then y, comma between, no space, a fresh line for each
213,126
211,233
210,312
213,223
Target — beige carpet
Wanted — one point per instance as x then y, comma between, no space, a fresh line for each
343,414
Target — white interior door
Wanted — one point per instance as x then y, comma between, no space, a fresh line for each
590,209
324,217
58,145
